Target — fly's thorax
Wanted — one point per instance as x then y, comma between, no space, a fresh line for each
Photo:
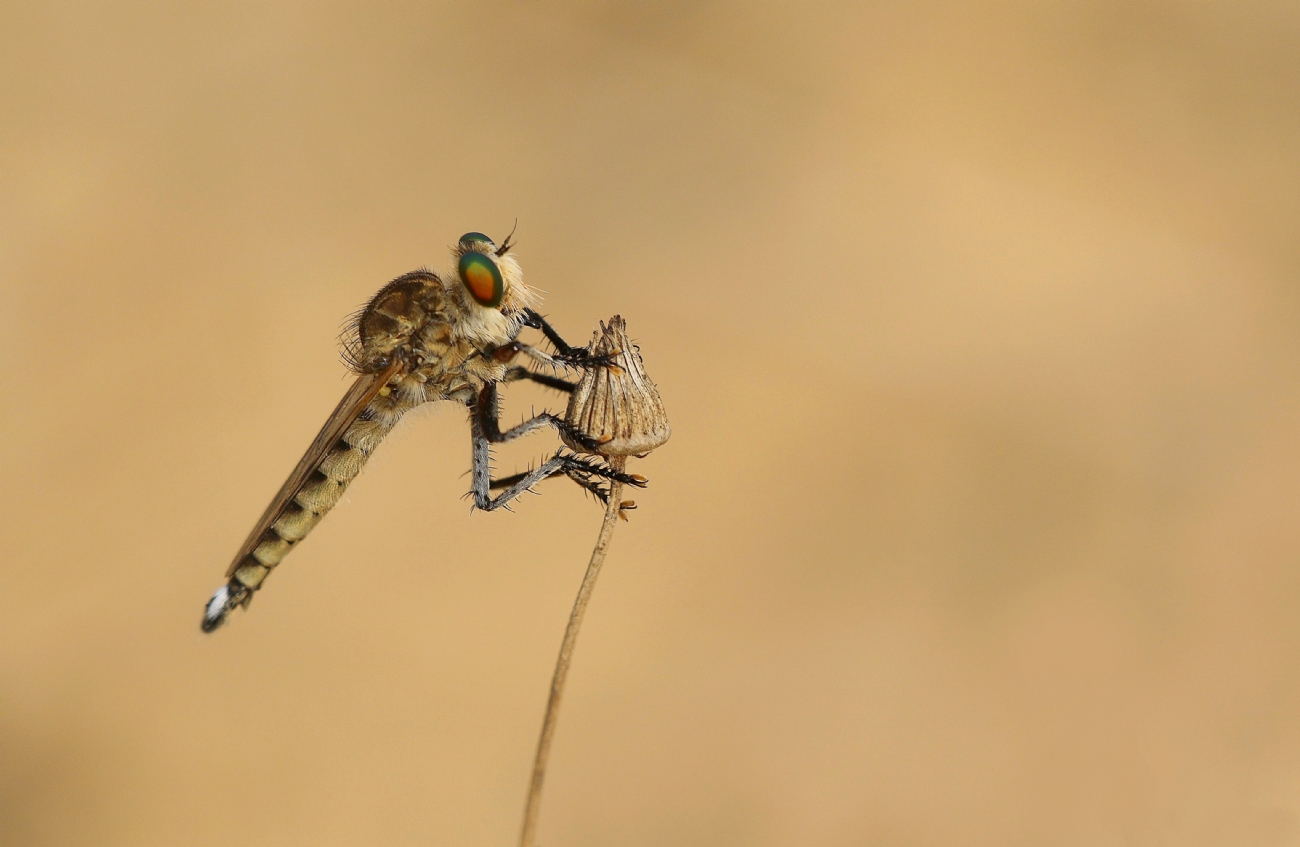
438,352
438,324
482,370
392,317
452,368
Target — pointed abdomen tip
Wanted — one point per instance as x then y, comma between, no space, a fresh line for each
214,614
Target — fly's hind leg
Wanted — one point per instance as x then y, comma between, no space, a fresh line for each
486,431
485,414
582,476
580,470
579,474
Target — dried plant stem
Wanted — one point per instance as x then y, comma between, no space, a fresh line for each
526,837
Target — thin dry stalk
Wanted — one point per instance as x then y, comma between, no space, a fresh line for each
618,406
531,810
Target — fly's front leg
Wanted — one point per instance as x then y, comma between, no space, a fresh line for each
567,356
579,357
507,352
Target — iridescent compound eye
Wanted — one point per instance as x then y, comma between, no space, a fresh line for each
482,277
471,238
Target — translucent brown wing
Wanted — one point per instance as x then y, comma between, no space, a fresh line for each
354,402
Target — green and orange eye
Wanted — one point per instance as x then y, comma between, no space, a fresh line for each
482,277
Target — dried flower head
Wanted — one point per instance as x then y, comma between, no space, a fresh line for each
617,404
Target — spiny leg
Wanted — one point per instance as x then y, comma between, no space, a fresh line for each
567,353
578,469
586,482
483,498
486,431
509,351
536,321
580,475
485,413
517,373
581,478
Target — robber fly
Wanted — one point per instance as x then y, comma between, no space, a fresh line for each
423,337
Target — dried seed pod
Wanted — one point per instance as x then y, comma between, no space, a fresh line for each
617,405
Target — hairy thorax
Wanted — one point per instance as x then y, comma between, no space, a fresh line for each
444,345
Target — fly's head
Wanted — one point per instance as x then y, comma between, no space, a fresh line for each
492,292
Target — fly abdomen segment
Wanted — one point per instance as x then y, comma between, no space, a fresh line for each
299,507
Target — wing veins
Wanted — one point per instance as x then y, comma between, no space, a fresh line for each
354,402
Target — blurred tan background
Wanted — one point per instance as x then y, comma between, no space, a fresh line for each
978,325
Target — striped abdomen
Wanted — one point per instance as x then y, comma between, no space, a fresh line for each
322,489
331,463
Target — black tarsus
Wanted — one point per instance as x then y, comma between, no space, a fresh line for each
517,373
580,357
580,477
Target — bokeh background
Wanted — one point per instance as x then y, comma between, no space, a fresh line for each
978,325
